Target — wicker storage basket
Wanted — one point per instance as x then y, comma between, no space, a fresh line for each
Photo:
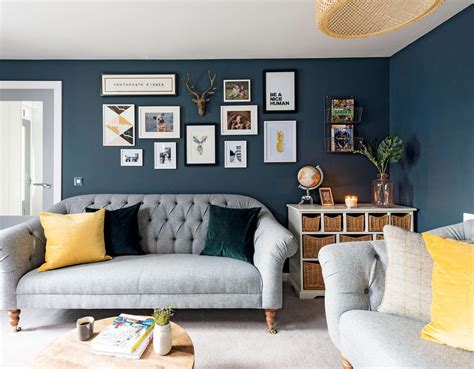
333,223
312,276
355,223
354,238
402,221
312,245
379,237
377,222
311,223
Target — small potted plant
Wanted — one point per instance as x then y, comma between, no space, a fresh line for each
162,340
390,150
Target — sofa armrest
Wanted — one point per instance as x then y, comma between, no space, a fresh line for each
273,245
354,278
22,249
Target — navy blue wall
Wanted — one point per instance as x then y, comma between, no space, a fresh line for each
432,109
273,184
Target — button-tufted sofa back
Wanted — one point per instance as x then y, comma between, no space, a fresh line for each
169,224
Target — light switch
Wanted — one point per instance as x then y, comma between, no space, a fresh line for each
77,181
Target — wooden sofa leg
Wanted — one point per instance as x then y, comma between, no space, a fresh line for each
345,363
270,315
14,316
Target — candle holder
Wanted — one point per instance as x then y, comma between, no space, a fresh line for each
351,201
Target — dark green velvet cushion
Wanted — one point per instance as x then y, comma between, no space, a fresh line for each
121,231
230,233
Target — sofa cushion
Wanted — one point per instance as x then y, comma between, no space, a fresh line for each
148,274
373,339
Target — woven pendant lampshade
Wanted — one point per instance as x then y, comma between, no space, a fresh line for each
364,18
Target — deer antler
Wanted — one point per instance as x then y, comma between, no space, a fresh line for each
190,88
212,88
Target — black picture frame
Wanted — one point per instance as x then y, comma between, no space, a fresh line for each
216,146
265,106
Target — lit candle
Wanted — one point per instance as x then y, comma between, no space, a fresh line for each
351,201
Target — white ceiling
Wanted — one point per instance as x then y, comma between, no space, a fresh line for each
187,29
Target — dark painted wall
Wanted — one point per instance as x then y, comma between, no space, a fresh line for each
273,184
432,109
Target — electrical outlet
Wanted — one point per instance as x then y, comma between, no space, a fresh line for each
77,181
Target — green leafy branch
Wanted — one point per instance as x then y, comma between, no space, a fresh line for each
390,150
163,316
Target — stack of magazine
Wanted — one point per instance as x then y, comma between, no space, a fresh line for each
128,336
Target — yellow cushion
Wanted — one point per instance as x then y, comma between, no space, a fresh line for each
73,239
452,309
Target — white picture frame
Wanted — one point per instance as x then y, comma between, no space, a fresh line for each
138,84
131,157
235,154
118,125
159,122
234,116
279,91
237,90
200,144
280,141
165,155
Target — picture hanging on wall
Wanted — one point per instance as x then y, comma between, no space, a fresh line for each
239,120
235,155
118,124
280,141
165,155
237,90
159,122
279,91
138,84
131,157
200,144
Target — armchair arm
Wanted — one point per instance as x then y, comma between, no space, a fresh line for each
273,245
354,278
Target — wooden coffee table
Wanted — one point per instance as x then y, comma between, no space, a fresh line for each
68,352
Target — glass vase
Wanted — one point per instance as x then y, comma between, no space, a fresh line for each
382,191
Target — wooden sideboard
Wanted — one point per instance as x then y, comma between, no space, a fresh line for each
315,226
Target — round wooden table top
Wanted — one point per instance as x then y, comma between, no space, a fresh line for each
68,352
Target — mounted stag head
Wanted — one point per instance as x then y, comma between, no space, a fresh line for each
201,99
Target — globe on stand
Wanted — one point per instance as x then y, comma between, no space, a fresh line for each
309,178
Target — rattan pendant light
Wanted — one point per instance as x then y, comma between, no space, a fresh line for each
364,18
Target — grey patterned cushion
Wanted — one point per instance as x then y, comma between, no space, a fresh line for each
408,276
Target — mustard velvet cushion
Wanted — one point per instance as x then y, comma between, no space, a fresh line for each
73,239
452,310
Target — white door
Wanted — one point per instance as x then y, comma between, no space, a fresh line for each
30,149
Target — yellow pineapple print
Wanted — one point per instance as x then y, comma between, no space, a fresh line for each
280,147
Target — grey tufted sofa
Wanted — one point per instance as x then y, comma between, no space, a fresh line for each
172,234
354,275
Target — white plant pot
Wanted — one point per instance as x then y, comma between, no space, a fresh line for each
162,340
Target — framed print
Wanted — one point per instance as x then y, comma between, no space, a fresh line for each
165,155
235,154
239,120
118,125
131,157
138,84
159,122
237,90
325,194
200,144
280,141
279,91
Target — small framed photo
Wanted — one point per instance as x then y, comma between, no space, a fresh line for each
159,122
165,155
235,154
239,120
138,84
200,144
325,194
118,125
237,90
279,91
280,141
131,157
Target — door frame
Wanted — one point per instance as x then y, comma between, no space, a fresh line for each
56,87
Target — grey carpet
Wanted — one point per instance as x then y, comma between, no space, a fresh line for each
223,339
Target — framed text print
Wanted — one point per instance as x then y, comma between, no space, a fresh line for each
279,91
138,84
